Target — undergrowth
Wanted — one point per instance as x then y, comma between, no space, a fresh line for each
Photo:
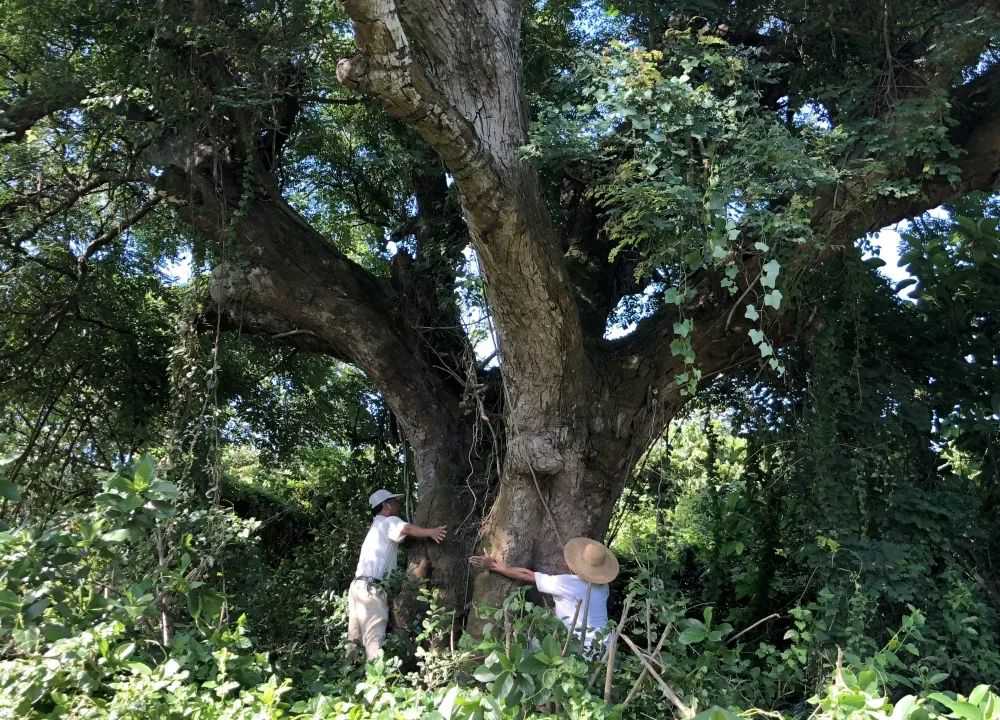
119,612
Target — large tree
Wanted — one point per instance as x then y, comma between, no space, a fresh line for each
683,166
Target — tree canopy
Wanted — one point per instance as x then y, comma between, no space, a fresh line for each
558,268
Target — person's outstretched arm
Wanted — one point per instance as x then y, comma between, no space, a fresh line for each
514,573
437,534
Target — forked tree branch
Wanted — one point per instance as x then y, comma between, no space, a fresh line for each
18,117
452,70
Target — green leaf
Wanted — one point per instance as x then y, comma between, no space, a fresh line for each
902,709
770,273
751,313
36,609
505,687
962,709
734,547
53,632
144,472
116,536
693,260
756,336
447,706
9,602
484,675
683,328
977,695
692,635
164,489
765,349
773,299
716,713
9,490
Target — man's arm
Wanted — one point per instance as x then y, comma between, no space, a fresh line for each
514,573
437,534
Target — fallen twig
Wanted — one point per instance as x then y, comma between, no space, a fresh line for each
743,632
642,675
668,691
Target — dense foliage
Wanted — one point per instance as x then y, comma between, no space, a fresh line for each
184,475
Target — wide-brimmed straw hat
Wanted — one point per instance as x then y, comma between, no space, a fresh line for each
590,560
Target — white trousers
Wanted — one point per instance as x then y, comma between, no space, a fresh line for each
367,616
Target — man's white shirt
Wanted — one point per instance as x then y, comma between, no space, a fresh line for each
381,545
567,591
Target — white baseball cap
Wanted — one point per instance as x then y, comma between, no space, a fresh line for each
380,496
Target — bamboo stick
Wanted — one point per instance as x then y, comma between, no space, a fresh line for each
572,628
667,690
642,675
585,624
612,647
621,623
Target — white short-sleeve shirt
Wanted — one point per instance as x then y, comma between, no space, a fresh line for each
567,591
378,551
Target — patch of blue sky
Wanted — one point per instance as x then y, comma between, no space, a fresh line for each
631,309
477,323
813,115
773,25
986,60
885,245
597,21
177,271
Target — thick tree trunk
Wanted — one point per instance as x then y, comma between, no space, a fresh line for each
302,290
578,411
565,482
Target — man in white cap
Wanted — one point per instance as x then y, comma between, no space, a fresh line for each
590,564
367,603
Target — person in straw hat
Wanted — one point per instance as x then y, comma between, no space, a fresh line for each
591,565
367,603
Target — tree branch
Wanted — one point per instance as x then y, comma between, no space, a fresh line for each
843,215
24,113
452,71
286,278
109,236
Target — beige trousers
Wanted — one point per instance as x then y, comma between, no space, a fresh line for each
367,617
